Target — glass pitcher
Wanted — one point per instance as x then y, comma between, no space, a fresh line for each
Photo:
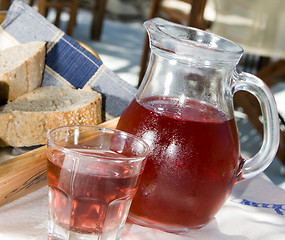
184,111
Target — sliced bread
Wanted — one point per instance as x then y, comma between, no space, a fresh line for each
26,120
21,69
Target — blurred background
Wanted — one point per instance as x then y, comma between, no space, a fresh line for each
113,28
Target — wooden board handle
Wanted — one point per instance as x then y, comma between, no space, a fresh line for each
27,172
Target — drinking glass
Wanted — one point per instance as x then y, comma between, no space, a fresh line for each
93,175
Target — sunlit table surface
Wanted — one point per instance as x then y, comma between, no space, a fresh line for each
255,210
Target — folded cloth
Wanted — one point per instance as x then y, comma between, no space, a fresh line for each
254,211
67,63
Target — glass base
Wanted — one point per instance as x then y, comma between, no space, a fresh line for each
56,232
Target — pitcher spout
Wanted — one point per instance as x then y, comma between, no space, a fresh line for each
187,43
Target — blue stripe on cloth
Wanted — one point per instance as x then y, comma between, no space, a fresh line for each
72,62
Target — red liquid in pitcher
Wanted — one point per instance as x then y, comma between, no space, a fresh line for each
193,162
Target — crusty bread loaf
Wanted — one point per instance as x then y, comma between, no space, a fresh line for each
21,69
26,120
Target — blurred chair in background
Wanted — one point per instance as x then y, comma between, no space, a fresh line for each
60,5
256,25
72,6
4,4
98,17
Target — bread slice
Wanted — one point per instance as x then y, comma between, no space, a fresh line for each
21,69
26,120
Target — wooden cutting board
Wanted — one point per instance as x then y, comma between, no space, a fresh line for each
27,172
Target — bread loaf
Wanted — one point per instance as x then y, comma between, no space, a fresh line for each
26,120
21,69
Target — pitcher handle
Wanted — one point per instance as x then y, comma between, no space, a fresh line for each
260,161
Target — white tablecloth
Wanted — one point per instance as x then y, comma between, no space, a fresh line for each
255,210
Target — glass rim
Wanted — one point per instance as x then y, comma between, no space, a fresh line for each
139,157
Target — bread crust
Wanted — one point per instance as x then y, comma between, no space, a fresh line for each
29,128
22,74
